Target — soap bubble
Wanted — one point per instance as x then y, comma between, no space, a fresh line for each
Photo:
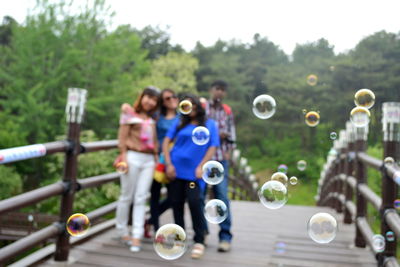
359,116
78,224
304,111
332,152
215,211
396,204
293,180
312,79
213,172
200,135
273,194
185,107
283,168
301,165
280,247
312,118
322,228
121,167
378,243
280,177
390,236
332,68
170,241
364,98
264,106
388,160
333,135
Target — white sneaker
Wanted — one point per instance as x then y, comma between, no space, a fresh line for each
135,245
135,248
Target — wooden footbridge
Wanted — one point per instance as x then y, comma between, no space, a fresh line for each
262,237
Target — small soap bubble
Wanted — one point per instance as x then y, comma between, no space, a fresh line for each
121,167
388,160
273,195
301,165
30,217
390,236
332,152
312,118
185,107
293,180
359,116
170,241
333,135
322,228
280,177
283,168
364,98
192,185
332,68
396,204
378,243
200,135
312,79
78,224
264,106
215,211
280,247
304,111
213,172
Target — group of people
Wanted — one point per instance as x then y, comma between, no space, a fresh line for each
152,129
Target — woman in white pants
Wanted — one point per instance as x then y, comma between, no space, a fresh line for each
139,149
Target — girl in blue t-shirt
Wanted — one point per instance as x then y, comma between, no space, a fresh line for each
184,167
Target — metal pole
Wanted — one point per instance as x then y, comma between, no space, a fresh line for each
349,169
74,111
361,134
391,142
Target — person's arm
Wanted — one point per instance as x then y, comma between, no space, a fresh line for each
208,156
122,137
170,170
231,137
155,140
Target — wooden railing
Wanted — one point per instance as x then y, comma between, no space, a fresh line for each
242,185
343,182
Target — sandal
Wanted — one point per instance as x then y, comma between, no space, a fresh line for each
197,251
135,245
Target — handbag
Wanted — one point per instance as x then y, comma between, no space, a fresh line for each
159,172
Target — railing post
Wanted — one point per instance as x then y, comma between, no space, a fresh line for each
334,170
361,176
349,169
391,143
74,111
342,159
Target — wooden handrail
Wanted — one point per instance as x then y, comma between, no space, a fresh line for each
95,181
370,195
370,161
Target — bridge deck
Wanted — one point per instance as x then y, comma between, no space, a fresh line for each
257,231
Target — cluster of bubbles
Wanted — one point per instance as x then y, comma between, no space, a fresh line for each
364,100
283,168
213,172
312,80
170,241
215,211
312,118
378,243
200,135
264,106
78,224
301,165
273,194
322,228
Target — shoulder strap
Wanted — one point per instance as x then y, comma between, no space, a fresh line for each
227,109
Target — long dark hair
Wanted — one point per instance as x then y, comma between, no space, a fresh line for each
149,91
200,112
163,109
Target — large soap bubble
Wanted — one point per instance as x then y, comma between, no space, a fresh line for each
273,195
170,241
264,106
322,228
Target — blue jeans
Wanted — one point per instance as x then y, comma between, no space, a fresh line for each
221,192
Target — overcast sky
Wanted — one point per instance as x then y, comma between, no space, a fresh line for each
285,22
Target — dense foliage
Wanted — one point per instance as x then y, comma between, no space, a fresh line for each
54,50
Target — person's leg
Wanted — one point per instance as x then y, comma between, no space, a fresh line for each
194,201
155,204
177,197
221,192
126,183
166,203
143,184
203,195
